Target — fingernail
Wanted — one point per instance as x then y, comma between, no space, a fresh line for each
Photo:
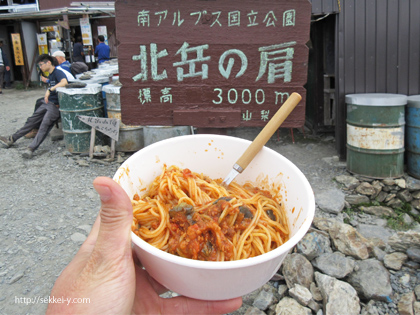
104,192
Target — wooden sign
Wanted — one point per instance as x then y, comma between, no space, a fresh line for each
108,126
17,49
185,61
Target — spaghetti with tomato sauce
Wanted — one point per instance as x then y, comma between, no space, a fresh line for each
192,216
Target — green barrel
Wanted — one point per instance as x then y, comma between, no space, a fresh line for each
130,138
80,102
375,134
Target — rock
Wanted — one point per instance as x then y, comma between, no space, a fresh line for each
316,293
381,196
401,241
263,300
406,303
395,260
331,201
282,290
415,204
414,253
416,308
395,203
350,182
301,294
78,237
338,297
297,270
313,244
288,306
405,280
324,224
390,197
401,183
378,253
366,189
357,199
413,184
389,181
370,309
254,311
16,277
336,264
379,211
348,241
407,219
374,231
405,195
83,163
86,228
371,280
314,306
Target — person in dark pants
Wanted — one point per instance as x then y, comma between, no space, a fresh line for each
78,52
46,114
4,66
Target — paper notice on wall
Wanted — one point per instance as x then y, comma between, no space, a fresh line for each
86,31
42,43
102,31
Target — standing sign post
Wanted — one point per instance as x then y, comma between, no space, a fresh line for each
211,64
108,126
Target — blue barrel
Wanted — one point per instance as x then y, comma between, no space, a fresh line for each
412,138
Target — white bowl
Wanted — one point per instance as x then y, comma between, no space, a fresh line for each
214,155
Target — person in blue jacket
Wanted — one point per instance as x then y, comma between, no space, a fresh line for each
4,65
102,50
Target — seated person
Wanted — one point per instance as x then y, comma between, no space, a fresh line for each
47,113
61,64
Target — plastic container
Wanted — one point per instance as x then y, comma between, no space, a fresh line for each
214,155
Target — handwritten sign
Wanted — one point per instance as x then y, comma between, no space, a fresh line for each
108,126
244,58
17,49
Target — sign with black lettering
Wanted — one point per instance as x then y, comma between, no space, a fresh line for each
108,126
189,56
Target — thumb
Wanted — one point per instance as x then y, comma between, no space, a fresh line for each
116,217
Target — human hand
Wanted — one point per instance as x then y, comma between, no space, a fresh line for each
105,274
7,68
47,95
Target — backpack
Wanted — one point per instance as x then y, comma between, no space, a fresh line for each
78,67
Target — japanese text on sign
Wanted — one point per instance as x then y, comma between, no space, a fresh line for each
275,61
245,58
252,19
108,126
17,49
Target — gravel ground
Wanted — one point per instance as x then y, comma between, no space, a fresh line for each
48,204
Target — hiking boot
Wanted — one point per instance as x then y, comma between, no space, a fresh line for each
6,141
31,134
28,154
